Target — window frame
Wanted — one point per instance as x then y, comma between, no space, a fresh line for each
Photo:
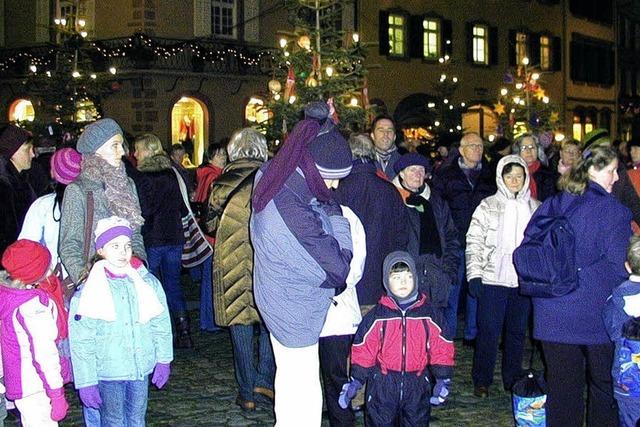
549,49
438,34
522,41
485,39
224,4
405,33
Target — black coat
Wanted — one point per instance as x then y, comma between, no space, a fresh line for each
546,180
16,195
383,214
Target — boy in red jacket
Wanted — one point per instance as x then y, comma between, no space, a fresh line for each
395,343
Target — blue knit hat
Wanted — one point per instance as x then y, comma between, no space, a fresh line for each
96,134
329,149
412,159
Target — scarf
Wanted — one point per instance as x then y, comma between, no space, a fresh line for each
511,226
96,300
472,174
121,200
293,154
53,287
533,168
385,156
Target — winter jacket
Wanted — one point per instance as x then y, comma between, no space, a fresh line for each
16,195
546,180
228,216
436,274
30,357
384,217
301,254
161,202
602,228
485,250
40,224
344,314
624,191
453,186
623,305
72,224
401,341
122,350
205,176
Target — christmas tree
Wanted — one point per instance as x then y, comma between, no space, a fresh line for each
524,106
318,61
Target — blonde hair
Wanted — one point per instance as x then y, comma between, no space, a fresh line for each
575,181
151,143
633,254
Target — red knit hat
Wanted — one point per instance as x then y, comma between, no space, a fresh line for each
26,261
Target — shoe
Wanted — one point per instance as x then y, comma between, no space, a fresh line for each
268,393
481,391
245,405
471,343
183,332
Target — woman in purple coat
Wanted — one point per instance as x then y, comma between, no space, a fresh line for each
576,347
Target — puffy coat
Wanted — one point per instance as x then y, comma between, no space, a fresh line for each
122,350
301,254
484,241
227,219
602,228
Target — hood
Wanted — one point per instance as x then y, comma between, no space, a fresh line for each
155,163
502,187
392,259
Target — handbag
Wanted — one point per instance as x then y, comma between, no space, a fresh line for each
196,248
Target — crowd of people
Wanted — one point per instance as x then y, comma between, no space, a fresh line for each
339,262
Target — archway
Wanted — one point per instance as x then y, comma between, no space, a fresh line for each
189,117
21,110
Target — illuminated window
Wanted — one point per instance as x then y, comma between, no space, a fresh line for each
577,128
397,33
256,112
545,53
223,18
480,44
86,111
21,110
521,47
431,38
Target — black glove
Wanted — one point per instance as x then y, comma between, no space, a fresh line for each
475,287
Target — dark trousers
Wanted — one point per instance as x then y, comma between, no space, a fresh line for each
500,307
395,400
165,263
248,374
334,361
569,368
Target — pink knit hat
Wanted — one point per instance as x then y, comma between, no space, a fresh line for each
65,165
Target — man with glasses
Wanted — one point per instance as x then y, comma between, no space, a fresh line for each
383,134
463,184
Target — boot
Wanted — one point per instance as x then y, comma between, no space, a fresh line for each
183,331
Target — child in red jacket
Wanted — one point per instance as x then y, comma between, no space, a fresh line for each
395,343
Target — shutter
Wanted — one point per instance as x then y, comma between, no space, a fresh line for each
446,34
415,37
201,18
511,46
251,20
611,66
469,40
575,52
533,40
383,33
493,45
556,53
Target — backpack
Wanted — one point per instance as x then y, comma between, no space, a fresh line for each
545,260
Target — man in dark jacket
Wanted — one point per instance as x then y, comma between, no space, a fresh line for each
16,194
384,217
383,134
463,184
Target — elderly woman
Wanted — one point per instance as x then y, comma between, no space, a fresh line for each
162,209
569,155
227,219
543,180
436,258
576,347
102,190
303,250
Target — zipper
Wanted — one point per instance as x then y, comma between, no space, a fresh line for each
404,352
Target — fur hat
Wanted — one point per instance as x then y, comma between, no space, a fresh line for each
11,139
65,165
96,134
26,261
108,229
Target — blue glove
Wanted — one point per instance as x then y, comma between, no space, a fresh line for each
440,392
349,391
90,396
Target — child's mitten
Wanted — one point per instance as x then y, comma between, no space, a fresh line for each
90,396
161,374
349,391
59,405
440,392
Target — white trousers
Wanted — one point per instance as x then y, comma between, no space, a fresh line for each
298,394
35,410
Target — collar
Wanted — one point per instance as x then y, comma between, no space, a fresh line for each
634,278
464,166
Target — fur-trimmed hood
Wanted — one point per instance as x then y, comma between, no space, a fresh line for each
155,163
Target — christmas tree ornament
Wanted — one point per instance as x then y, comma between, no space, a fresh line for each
304,42
275,86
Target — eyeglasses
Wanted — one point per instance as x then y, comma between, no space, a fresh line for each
528,147
473,146
573,152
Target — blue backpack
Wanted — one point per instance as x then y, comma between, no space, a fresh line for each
545,260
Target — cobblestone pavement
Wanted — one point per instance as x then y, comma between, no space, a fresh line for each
201,392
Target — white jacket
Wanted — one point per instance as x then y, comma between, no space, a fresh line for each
344,315
497,228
